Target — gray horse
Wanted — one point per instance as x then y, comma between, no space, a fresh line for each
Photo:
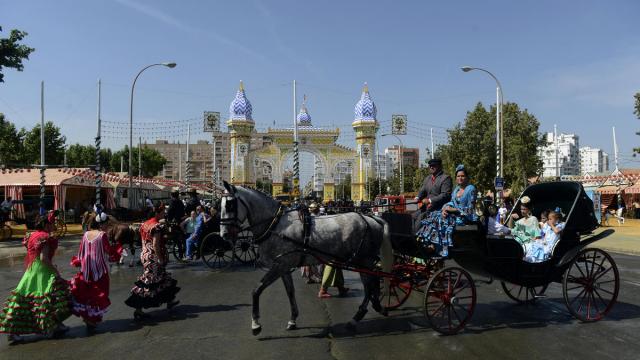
353,239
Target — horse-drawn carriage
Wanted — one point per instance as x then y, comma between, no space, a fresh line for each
589,276
215,252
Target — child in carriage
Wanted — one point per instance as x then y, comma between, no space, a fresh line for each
540,249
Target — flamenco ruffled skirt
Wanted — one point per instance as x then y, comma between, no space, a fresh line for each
38,303
152,290
90,299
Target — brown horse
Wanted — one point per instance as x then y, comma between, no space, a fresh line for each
121,234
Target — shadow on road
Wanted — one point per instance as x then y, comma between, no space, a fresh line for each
179,313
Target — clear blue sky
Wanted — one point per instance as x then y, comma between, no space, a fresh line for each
571,63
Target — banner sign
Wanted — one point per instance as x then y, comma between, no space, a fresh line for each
399,124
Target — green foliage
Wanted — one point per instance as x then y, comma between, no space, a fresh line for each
53,145
473,143
10,143
152,161
12,52
85,156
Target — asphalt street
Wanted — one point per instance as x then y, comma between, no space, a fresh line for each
213,322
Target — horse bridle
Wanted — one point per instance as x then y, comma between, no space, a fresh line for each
231,206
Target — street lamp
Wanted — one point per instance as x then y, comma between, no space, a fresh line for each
499,132
170,65
400,159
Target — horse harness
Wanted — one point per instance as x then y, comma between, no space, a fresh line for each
307,223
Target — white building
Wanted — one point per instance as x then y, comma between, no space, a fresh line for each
567,147
593,160
385,166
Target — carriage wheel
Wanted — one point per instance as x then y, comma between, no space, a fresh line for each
5,232
449,300
399,290
177,249
216,252
590,285
59,228
245,251
522,294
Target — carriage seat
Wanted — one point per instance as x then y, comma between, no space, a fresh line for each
504,246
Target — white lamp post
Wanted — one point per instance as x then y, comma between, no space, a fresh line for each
170,65
499,132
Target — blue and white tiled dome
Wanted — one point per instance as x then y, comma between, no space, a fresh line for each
240,108
304,119
365,108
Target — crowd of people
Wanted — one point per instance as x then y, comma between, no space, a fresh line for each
42,300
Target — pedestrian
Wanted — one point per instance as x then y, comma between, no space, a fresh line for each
332,277
40,302
636,209
188,226
155,286
312,273
90,286
5,209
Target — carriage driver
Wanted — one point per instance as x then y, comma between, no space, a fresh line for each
436,189
176,208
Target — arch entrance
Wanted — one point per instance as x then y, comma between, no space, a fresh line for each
263,155
318,142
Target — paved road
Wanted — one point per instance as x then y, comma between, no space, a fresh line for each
213,322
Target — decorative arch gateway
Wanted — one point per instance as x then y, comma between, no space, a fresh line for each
271,149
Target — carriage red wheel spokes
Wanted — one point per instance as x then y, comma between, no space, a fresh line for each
399,289
522,294
449,300
591,284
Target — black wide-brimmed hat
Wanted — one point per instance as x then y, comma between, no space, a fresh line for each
435,162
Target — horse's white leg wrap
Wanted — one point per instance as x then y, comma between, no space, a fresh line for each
255,327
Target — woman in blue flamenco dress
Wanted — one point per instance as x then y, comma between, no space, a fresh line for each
437,229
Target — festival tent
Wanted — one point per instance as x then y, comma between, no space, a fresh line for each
23,186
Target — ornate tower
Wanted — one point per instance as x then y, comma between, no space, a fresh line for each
241,125
365,126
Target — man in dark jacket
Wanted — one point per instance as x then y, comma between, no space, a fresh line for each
193,201
436,189
176,208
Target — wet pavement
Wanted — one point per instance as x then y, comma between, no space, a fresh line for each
213,322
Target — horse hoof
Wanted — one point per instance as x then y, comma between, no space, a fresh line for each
291,325
256,331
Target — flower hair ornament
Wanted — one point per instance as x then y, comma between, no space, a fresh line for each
51,217
525,200
101,218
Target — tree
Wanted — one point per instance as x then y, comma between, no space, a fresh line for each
12,52
473,143
85,156
53,145
636,110
10,143
152,161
